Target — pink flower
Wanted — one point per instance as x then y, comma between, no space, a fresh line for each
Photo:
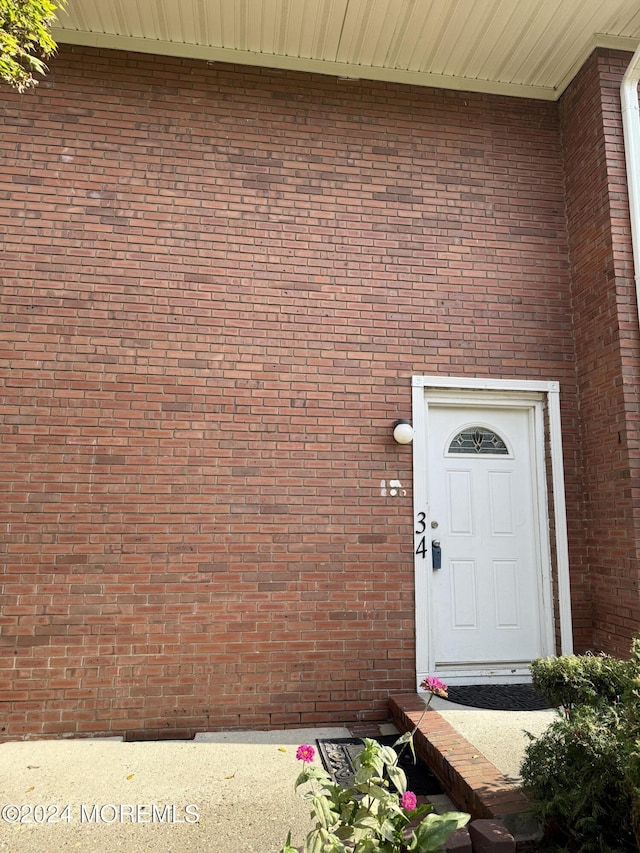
409,801
435,686
305,753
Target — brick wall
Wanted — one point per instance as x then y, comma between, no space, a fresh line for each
607,348
217,284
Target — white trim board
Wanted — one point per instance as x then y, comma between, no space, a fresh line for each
344,70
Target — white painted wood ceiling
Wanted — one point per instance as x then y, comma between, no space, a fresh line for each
531,48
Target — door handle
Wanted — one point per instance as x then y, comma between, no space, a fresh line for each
436,554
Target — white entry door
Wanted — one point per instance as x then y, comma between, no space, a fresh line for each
487,551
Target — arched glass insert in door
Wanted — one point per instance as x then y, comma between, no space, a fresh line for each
478,440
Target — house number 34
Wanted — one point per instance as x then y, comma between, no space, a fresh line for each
421,526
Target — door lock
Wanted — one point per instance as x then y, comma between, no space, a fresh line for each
436,554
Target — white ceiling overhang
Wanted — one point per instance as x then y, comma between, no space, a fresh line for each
527,48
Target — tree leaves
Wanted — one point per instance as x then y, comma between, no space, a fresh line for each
25,39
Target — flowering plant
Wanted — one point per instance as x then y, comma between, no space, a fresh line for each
376,813
434,687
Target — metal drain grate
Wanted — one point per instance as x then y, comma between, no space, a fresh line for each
338,757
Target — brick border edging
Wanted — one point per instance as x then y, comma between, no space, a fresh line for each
473,783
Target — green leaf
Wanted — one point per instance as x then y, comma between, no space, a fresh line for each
407,737
315,841
378,793
398,777
370,756
315,773
369,845
421,810
287,845
363,774
302,778
388,755
433,832
324,813
321,841
344,833
388,831
367,821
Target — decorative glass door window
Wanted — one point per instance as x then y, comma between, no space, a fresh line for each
478,440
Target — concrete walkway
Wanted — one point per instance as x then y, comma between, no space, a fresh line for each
227,792
498,735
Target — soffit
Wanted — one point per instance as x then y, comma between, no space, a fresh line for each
530,48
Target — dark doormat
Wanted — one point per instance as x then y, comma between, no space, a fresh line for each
499,697
338,757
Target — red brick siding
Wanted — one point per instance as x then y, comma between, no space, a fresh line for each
218,282
606,331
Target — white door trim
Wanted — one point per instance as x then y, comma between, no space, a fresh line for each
503,391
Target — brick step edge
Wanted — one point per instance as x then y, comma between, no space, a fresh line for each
473,783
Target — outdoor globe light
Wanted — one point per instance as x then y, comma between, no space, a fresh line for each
403,431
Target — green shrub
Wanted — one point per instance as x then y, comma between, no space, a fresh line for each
583,773
633,776
572,680
631,745
575,774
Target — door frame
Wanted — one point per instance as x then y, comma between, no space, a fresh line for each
498,392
